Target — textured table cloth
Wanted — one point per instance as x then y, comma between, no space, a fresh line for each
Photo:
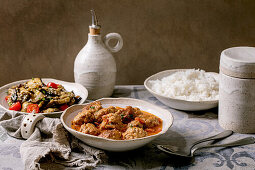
187,128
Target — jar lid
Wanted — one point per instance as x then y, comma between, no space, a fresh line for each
238,62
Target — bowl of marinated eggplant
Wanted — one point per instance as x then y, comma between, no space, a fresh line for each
47,96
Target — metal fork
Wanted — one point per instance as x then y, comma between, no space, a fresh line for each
244,141
187,150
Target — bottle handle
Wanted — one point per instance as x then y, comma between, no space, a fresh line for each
119,44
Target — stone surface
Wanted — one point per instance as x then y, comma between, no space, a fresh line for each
42,38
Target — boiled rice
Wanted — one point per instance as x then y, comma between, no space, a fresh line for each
191,85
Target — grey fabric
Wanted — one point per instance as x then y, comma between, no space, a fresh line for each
51,146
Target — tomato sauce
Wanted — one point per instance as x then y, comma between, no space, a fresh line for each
156,129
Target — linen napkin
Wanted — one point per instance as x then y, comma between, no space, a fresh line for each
51,146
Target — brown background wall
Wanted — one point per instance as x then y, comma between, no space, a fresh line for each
41,38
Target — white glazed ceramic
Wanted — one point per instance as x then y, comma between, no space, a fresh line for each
237,89
78,90
177,103
117,145
95,67
28,124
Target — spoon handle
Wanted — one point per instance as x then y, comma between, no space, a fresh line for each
221,135
244,141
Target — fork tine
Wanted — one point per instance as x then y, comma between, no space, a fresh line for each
169,151
164,148
171,148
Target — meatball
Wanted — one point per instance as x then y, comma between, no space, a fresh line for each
112,121
134,132
135,123
112,109
127,114
93,107
137,112
113,118
150,121
85,116
111,134
120,112
102,112
99,114
89,128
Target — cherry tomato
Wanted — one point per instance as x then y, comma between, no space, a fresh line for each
7,97
53,85
63,107
33,107
15,106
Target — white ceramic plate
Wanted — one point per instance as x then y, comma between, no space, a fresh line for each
78,90
117,145
177,103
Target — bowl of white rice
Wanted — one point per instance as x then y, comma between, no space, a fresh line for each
185,89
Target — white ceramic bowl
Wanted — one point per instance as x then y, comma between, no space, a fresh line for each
117,145
78,90
177,103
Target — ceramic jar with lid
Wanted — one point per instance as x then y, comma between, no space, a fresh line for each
237,89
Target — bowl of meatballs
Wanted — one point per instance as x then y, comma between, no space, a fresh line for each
116,124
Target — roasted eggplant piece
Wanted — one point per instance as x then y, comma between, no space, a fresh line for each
49,110
72,101
77,99
37,97
34,83
11,90
24,106
24,94
14,96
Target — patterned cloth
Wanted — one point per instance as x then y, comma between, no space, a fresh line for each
187,128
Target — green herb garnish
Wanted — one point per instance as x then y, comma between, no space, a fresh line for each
92,107
43,99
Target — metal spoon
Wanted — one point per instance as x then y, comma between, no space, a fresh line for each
186,150
244,141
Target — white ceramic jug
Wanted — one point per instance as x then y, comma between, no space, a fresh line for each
94,66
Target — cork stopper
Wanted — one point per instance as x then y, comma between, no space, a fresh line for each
94,28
